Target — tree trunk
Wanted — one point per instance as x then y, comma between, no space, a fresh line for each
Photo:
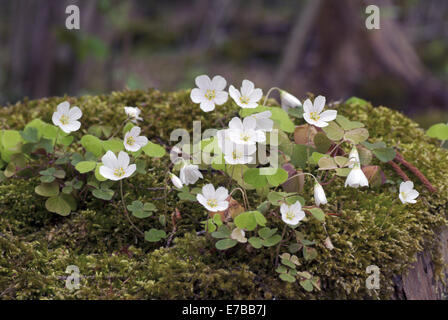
419,283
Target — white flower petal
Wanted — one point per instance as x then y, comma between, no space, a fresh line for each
307,106
110,160
328,115
176,181
63,107
247,87
207,106
413,194
236,124
219,83
135,131
75,113
221,194
208,191
265,124
221,97
288,100
55,118
256,95
123,159
249,123
197,95
202,200
320,123
108,173
406,186
222,205
250,105
71,126
141,141
130,170
235,94
203,82
319,104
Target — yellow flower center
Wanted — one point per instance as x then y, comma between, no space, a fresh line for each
130,141
210,94
403,195
290,215
244,100
314,116
119,172
234,155
212,203
245,137
64,119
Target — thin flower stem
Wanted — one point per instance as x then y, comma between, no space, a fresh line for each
119,128
336,147
269,92
398,170
277,251
126,210
302,174
246,202
415,171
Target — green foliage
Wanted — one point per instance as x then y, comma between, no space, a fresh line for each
439,131
37,246
155,235
141,210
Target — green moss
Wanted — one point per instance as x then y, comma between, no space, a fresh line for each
374,227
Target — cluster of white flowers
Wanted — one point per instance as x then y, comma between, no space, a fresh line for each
117,168
113,167
238,144
211,92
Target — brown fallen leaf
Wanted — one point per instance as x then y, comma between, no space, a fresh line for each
234,209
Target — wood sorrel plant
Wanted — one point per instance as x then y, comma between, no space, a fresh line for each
310,142
68,170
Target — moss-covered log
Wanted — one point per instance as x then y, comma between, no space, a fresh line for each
373,227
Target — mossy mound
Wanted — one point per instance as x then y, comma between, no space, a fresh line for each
374,228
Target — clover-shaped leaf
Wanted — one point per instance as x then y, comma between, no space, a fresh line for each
256,242
154,235
225,244
223,232
141,210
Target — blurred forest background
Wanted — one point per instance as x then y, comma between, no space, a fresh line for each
319,46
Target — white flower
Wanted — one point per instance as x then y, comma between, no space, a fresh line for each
66,117
356,178
190,173
133,141
114,168
238,153
319,194
245,132
223,139
133,113
176,181
353,157
248,97
407,192
209,92
292,214
213,200
238,235
288,101
313,112
264,121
